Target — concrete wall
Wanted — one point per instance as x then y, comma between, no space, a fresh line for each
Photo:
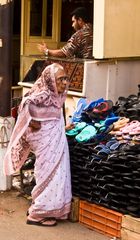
116,28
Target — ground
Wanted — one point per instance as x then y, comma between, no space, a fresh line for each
13,208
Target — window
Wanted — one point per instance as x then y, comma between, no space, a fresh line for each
49,18
36,17
41,17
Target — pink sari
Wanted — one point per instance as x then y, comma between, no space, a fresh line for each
52,193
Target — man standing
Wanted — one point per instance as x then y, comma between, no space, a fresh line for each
81,42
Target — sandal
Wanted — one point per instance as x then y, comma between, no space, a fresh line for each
135,131
136,139
120,123
111,120
86,134
43,222
130,126
121,101
81,104
92,104
102,110
78,127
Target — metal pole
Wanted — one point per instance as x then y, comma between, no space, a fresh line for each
6,32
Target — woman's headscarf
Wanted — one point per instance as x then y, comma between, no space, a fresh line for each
43,99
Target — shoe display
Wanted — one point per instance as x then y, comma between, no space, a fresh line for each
107,168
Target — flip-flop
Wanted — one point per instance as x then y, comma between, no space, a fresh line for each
43,222
136,139
111,142
92,104
78,127
121,101
135,131
81,104
120,123
116,146
86,134
99,124
102,107
130,126
111,120
101,111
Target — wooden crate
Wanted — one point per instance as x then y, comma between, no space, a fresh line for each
101,219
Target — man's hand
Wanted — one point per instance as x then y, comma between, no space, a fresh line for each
42,47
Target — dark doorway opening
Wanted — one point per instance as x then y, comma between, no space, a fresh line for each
16,42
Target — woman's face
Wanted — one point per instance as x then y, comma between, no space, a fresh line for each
62,81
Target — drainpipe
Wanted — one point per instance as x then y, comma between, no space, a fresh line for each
6,121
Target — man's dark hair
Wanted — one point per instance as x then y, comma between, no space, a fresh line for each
81,12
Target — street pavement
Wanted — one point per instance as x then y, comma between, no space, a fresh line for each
13,225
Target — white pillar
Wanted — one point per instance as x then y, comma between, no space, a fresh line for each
6,127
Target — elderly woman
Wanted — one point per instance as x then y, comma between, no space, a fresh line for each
40,128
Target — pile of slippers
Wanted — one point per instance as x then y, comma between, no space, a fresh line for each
105,153
92,121
128,107
127,130
107,174
82,132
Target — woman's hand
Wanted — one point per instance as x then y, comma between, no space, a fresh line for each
34,125
70,126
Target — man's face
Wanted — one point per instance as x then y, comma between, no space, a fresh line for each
76,23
